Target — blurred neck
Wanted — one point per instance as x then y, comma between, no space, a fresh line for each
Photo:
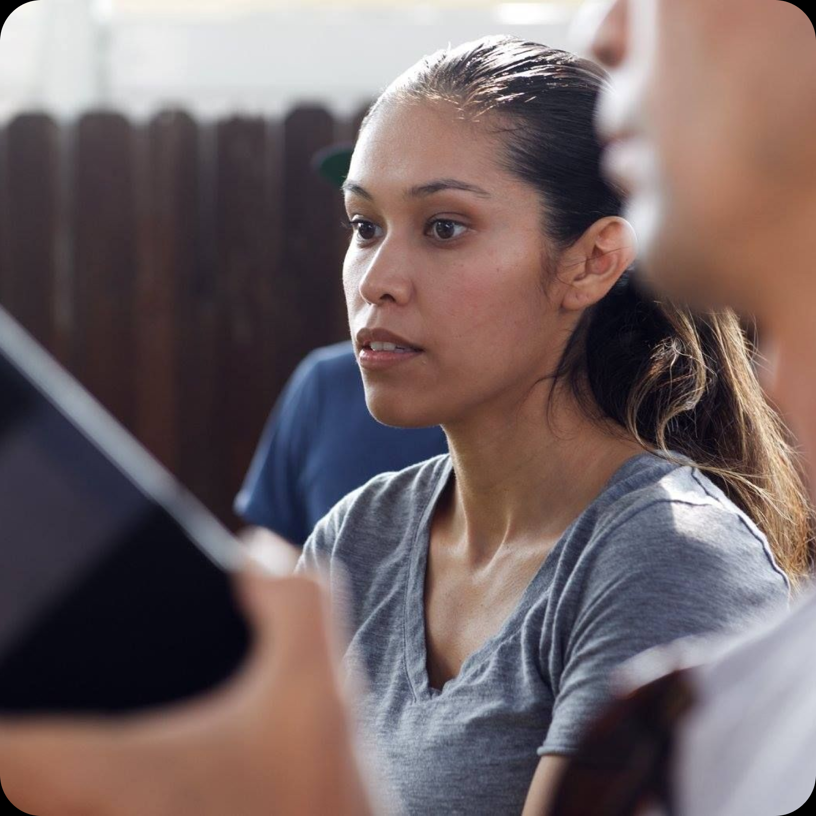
785,262
788,324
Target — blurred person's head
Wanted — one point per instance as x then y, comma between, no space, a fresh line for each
712,121
714,110
487,242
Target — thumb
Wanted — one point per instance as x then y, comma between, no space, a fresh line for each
290,617
277,555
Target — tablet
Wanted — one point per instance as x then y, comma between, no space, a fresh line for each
114,581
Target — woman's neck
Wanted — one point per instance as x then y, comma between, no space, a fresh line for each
521,479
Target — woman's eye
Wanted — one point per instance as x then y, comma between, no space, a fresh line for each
365,230
446,230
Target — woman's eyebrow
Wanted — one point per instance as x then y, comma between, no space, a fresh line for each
421,190
436,186
352,187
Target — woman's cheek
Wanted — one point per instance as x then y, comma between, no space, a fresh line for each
351,286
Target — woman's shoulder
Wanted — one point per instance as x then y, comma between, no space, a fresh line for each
664,536
389,501
667,509
650,485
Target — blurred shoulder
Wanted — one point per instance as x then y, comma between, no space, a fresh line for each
331,361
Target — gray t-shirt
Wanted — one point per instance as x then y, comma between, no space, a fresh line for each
661,553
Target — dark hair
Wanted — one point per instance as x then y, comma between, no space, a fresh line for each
678,382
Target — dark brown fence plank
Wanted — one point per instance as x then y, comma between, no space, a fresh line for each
277,363
30,186
105,262
244,257
167,184
311,235
201,346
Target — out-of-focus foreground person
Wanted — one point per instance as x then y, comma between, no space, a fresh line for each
710,123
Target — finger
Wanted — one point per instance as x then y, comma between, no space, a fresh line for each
290,617
273,552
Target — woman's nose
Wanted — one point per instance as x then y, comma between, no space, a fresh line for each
385,277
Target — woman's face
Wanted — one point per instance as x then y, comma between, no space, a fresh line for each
446,260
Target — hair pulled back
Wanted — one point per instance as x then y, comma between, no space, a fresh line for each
678,381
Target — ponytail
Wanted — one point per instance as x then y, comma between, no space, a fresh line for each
683,383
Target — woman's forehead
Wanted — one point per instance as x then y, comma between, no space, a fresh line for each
412,145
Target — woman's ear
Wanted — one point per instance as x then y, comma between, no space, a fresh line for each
593,264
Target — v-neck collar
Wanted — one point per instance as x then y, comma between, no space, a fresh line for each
416,653
416,650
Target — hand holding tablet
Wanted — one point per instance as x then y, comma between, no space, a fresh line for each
274,739
144,669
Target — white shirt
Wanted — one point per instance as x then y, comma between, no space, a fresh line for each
748,746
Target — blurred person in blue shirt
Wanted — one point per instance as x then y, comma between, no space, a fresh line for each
320,443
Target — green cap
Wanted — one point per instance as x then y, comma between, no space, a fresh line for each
332,162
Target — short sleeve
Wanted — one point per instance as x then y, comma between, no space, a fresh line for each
669,570
271,495
317,550
318,553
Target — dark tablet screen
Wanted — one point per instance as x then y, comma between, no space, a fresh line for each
61,502
108,601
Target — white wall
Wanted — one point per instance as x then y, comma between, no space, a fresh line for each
68,55
48,56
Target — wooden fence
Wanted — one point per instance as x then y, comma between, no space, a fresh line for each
179,269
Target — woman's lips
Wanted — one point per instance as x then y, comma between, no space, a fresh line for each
378,360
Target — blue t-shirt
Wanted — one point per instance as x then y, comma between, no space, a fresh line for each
320,443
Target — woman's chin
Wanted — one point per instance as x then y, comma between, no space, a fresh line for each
399,414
